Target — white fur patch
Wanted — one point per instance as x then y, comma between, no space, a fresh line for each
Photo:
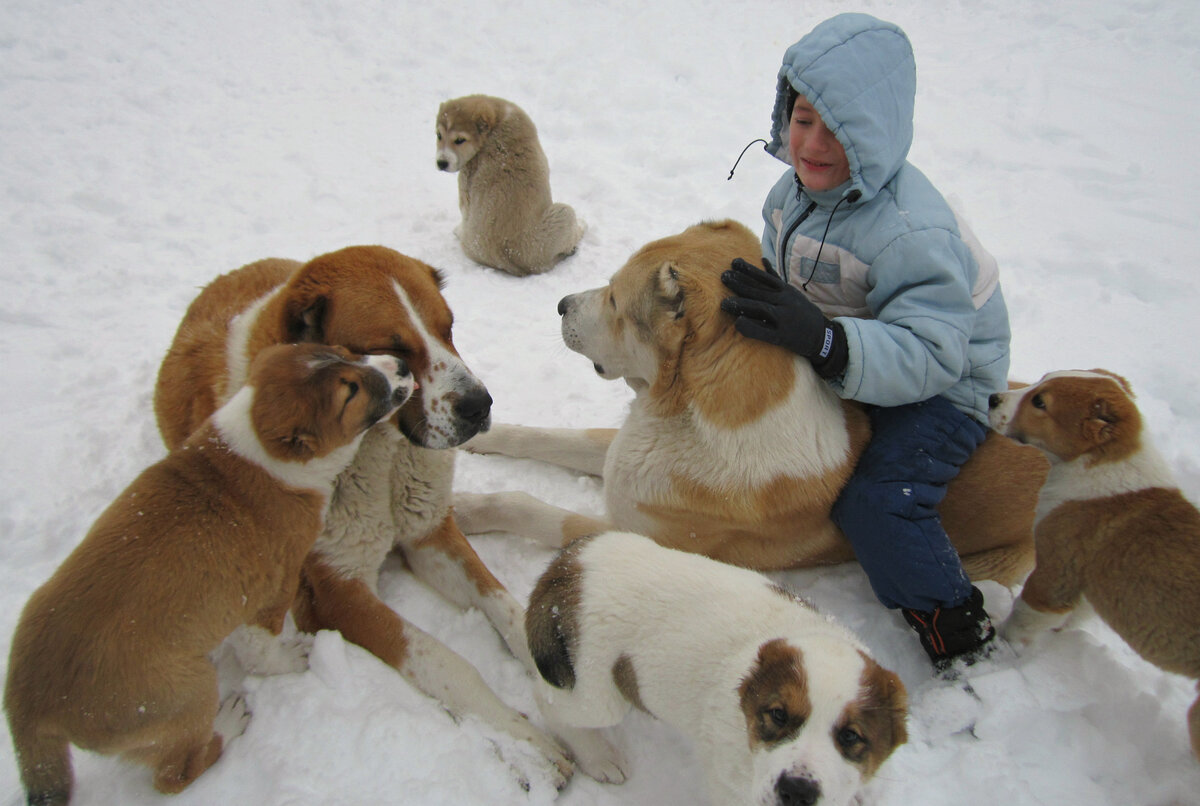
237,358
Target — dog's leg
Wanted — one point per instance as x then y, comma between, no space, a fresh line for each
331,600
1052,591
187,743
580,449
258,645
446,562
521,514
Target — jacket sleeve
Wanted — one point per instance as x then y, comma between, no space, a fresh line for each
915,347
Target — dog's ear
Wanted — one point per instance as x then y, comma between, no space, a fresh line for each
304,319
300,445
670,292
1101,423
1124,384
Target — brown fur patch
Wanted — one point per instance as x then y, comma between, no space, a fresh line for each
873,725
552,618
774,694
1136,557
626,680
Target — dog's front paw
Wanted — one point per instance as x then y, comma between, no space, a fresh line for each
262,653
1025,624
595,754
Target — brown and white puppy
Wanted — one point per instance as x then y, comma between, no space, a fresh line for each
111,653
732,448
783,705
1112,526
509,221
396,493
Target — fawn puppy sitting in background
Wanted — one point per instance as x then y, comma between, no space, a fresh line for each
111,654
1112,525
509,221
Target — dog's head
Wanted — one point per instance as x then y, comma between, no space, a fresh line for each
463,125
311,399
376,301
658,324
821,716
1070,414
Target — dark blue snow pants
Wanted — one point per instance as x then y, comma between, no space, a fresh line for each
888,509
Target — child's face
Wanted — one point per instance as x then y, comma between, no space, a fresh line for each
818,157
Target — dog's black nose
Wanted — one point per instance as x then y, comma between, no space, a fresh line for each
443,164
794,791
562,306
474,407
994,401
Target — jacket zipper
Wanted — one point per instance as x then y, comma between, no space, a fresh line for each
783,245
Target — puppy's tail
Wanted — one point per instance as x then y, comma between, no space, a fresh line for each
45,765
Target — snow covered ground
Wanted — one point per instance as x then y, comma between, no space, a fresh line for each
147,147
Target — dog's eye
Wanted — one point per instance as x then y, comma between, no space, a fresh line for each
351,389
778,717
459,140
1037,402
850,739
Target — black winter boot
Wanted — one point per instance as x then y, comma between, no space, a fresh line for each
952,635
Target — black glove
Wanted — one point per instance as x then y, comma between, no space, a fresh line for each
768,309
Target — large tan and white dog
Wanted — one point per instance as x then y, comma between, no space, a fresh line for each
732,448
509,221
396,492
111,653
1112,527
784,706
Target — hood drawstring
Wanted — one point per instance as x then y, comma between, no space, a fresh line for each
739,159
851,197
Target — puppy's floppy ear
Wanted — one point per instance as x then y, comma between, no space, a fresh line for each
1101,423
304,319
1124,384
670,292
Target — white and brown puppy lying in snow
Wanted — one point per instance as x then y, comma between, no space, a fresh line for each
1112,525
784,705
111,654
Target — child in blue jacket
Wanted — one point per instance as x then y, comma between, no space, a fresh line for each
895,303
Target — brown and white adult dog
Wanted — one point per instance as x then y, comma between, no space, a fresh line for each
509,220
1112,526
111,653
732,448
784,706
396,492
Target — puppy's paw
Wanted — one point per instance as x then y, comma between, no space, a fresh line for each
262,653
232,718
594,754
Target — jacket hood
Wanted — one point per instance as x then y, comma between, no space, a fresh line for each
860,75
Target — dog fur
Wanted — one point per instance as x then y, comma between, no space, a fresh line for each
396,492
783,705
732,448
509,221
1112,526
111,653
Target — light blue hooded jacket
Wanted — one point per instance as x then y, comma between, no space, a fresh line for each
917,296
